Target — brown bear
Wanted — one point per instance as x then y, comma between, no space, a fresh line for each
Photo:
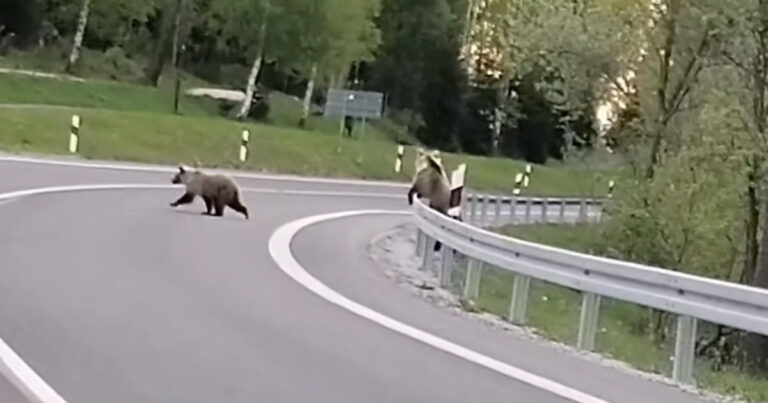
432,183
217,191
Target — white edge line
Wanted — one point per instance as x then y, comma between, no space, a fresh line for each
280,250
35,389
169,169
12,367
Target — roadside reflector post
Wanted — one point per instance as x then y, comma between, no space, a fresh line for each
399,159
518,184
527,177
246,136
74,134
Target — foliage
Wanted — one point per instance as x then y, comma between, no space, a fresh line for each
417,65
688,217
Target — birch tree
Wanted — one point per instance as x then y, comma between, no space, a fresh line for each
77,43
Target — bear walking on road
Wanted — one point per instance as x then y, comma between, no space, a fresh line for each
217,191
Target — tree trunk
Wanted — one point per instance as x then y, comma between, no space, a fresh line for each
250,87
176,33
308,96
751,247
77,45
164,44
755,345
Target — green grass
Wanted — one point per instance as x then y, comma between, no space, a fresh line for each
554,312
125,121
21,89
161,138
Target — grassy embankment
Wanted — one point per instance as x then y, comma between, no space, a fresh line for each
554,312
132,122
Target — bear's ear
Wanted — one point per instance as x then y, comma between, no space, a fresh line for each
181,168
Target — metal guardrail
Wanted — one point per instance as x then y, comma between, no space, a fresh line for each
690,297
487,210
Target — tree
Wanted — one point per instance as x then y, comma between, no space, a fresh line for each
245,23
327,36
418,66
109,21
77,44
743,29
164,44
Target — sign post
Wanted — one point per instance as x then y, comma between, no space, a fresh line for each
345,104
457,188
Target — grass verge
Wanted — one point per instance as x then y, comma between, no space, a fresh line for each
161,138
623,331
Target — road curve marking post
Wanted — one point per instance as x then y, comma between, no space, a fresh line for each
246,136
280,250
74,134
399,159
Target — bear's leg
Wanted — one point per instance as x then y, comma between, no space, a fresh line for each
236,205
218,205
411,192
186,198
208,205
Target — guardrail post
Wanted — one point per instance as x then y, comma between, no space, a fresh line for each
528,203
684,350
427,254
561,219
583,214
497,212
446,266
513,209
483,211
519,304
472,212
472,283
420,242
590,313
544,208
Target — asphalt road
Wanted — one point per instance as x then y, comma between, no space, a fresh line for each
112,296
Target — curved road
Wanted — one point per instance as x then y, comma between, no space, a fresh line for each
112,296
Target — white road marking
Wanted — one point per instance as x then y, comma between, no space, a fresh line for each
35,389
171,169
12,367
280,249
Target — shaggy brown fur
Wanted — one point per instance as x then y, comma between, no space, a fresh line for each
218,191
431,182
